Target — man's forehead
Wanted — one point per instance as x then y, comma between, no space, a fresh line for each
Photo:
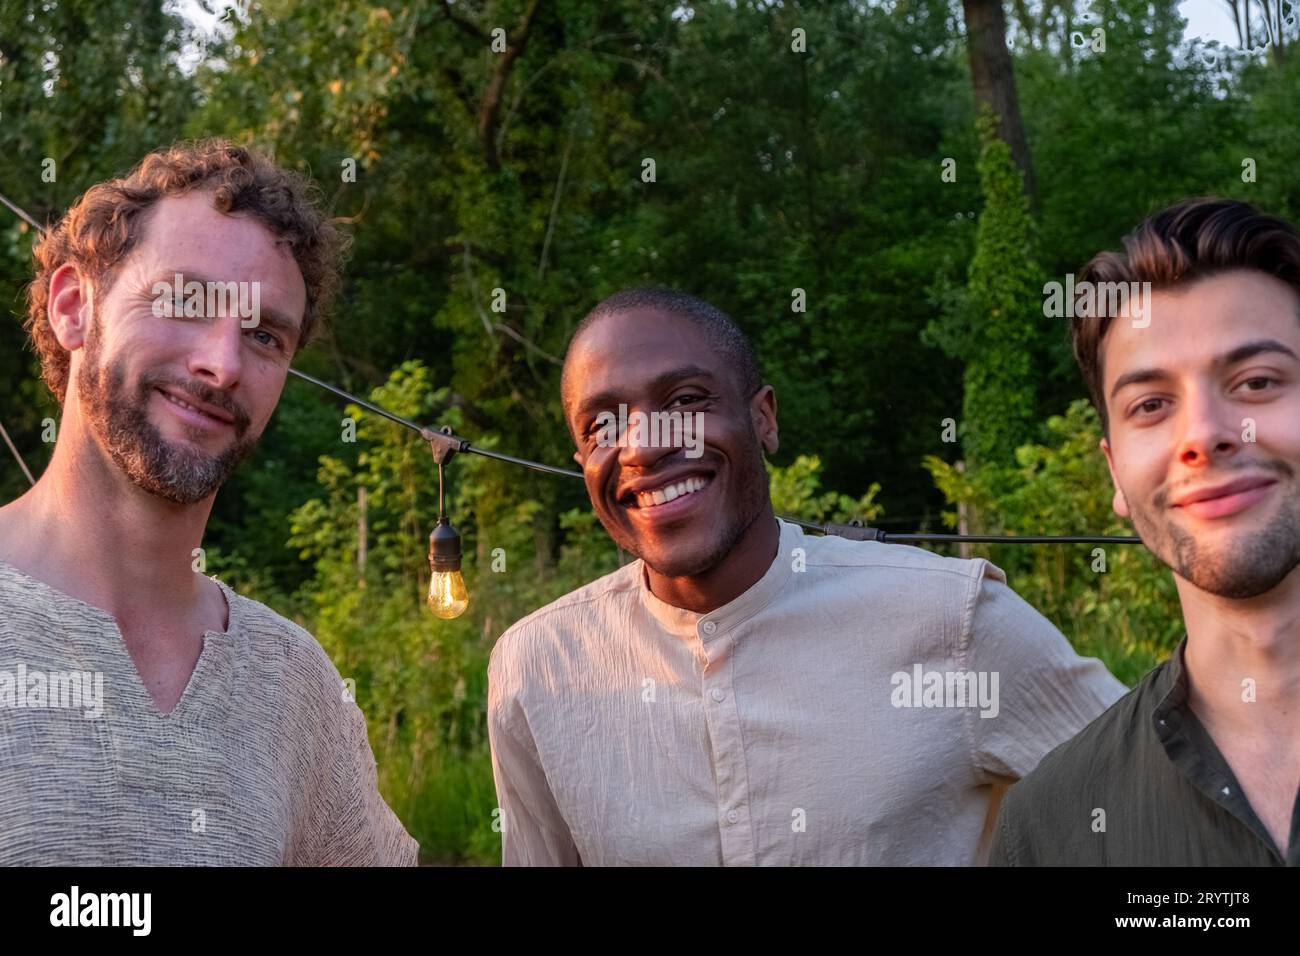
636,347
1197,324
186,232
625,331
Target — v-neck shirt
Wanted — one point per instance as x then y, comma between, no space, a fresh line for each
264,760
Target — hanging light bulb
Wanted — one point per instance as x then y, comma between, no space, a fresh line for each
447,595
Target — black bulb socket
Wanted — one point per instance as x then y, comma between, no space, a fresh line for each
444,546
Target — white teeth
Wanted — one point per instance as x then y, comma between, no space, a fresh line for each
176,401
649,499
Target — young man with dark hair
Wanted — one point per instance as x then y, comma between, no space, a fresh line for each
149,714
744,693
1198,390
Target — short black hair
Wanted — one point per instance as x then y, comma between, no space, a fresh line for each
718,327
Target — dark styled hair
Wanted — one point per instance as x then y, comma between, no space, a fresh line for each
1190,240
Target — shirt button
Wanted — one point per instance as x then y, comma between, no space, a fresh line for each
709,627
732,816
718,695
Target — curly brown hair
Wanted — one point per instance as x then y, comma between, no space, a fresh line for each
105,224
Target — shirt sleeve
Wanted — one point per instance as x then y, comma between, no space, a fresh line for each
1006,849
355,827
533,831
1046,693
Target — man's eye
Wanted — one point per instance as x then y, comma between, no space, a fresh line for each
270,339
1148,407
683,398
1262,381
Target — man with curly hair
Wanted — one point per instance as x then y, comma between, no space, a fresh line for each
148,713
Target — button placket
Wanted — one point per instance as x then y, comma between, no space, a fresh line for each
728,754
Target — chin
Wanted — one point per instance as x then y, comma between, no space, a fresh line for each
674,563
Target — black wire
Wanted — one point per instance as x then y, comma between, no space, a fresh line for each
829,529
466,446
21,215
1013,539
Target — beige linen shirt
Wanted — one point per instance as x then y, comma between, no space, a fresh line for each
264,759
831,714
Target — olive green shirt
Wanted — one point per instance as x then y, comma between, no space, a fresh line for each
1142,785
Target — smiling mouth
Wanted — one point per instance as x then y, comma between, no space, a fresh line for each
193,412
1231,503
664,494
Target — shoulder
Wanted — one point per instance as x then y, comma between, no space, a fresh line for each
25,608
280,647
1100,754
553,626
832,551
910,577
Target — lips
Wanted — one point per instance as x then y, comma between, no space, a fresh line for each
661,500
195,412
657,492
1223,500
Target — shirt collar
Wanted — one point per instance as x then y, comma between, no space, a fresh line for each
684,623
234,613
1170,689
1192,750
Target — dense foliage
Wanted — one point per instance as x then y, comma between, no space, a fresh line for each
802,190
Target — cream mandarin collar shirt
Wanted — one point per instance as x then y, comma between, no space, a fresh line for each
861,703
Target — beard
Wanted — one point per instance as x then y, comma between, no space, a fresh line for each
119,419
687,568
1248,565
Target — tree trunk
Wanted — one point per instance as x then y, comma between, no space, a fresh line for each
363,535
993,79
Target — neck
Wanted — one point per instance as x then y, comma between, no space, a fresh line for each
740,570
89,531
1231,642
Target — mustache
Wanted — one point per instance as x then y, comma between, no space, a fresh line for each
1274,465
199,392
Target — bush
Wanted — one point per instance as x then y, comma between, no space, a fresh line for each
1117,602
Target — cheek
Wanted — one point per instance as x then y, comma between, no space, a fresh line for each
1276,430
594,475
260,396
1141,465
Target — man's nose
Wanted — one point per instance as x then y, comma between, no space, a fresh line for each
1211,428
640,450
216,356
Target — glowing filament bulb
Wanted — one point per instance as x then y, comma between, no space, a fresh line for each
447,595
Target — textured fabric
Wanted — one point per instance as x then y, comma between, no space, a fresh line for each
1166,795
775,730
264,760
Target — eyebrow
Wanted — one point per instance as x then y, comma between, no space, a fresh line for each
658,383
268,317
1240,354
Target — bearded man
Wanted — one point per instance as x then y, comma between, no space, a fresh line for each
149,714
